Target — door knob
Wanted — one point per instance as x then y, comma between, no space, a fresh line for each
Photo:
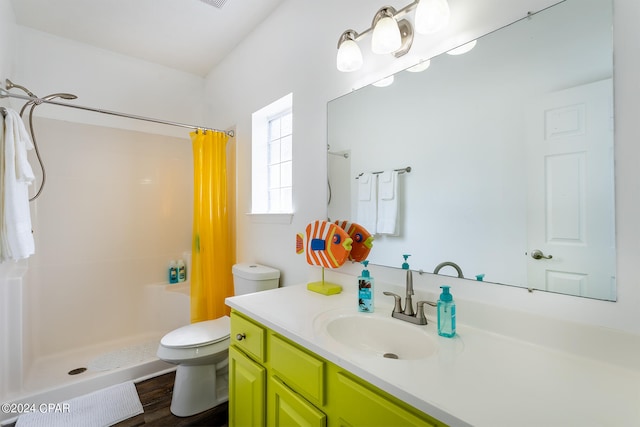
537,254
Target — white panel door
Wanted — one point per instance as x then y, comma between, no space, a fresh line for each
571,191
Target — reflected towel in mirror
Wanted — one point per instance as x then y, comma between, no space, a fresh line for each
367,201
387,222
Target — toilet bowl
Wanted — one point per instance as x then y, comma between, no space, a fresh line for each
201,349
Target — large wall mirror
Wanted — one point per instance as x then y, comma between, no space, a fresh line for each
511,154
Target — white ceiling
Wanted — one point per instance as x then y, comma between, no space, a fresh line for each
188,35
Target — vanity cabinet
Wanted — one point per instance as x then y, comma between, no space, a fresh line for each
275,382
247,405
288,408
373,409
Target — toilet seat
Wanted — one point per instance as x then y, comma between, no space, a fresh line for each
198,334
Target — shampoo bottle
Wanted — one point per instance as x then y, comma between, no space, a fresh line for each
173,272
446,313
182,271
365,290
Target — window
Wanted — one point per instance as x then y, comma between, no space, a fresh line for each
272,160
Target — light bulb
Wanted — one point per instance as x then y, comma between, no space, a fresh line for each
431,16
349,56
463,49
420,66
387,81
386,36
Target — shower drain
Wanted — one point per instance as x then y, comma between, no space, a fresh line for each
76,371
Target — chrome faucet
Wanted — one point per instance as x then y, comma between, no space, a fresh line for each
408,303
407,314
450,264
418,318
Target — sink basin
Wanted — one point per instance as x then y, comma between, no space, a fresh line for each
380,336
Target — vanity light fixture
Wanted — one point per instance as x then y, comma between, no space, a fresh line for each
432,16
391,33
386,37
349,54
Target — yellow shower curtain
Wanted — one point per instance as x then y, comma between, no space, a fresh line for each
212,248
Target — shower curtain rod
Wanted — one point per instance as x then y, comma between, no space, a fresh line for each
6,94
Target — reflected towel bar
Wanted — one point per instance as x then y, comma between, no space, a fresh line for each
400,171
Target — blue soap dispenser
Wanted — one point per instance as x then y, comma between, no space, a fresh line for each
405,264
365,290
446,313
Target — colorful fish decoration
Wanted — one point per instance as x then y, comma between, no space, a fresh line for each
362,240
328,245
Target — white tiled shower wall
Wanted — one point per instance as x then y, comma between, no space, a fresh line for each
117,205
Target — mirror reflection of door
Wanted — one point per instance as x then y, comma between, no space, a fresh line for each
570,217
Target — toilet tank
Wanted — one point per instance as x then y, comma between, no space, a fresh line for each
249,278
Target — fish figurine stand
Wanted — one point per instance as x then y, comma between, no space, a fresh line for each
323,287
328,246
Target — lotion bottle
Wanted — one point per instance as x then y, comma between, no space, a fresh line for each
182,271
446,314
365,290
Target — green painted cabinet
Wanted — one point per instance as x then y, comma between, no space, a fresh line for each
247,382
373,409
287,408
276,382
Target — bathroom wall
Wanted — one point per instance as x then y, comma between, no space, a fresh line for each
6,36
294,51
117,204
102,79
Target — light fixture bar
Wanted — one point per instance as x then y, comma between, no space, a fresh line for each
399,14
391,32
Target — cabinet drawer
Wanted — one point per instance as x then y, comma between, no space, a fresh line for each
300,370
248,336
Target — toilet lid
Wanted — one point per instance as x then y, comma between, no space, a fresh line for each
198,334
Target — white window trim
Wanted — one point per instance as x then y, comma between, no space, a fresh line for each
271,218
259,121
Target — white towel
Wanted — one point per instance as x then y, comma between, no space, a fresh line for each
388,202
367,201
17,238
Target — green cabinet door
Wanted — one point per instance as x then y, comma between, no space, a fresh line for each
358,405
289,409
247,391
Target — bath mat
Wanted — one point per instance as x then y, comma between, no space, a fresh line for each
98,409
127,356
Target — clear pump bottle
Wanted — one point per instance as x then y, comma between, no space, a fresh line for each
446,314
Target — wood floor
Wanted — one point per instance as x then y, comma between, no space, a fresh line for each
155,395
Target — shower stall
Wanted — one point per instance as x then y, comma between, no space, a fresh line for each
89,307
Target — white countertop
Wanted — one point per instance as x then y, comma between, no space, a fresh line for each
478,378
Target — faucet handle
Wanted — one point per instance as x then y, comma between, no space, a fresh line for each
420,310
397,308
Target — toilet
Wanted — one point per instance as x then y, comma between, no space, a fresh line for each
201,349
